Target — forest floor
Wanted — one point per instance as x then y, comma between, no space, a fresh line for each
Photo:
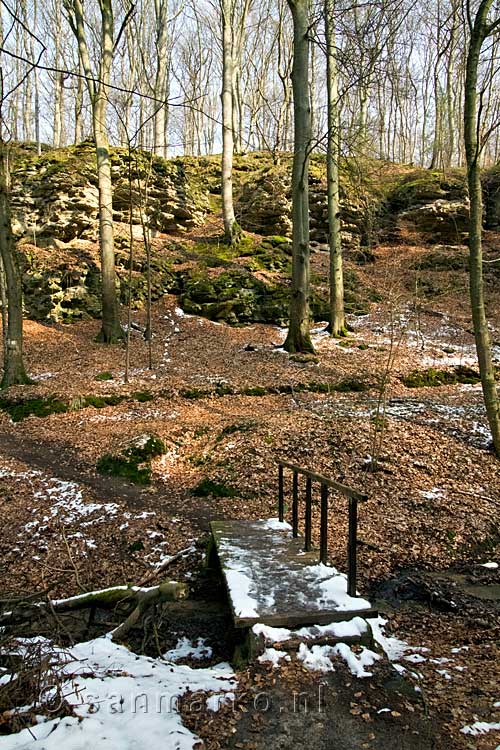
431,523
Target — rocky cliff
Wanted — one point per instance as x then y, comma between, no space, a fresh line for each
55,196
55,205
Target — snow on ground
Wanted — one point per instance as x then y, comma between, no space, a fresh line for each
66,499
480,727
122,700
319,657
186,649
273,656
350,628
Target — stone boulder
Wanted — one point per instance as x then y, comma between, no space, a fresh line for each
440,221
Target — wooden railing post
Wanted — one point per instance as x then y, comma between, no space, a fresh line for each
308,518
353,496
323,550
281,499
352,547
295,504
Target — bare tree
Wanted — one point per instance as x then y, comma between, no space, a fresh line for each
299,338
232,230
480,29
337,315
98,88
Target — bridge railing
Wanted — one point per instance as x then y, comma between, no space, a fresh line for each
353,497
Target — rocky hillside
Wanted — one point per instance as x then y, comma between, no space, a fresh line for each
55,219
55,196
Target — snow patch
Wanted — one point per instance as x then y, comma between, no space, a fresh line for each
122,700
273,656
186,649
480,727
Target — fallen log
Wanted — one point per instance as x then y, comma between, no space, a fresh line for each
105,598
146,597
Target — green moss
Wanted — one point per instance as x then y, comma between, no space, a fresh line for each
37,407
104,376
223,389
142,396
433,377
194,393
351,385
144,451
216,489
255,391
119,466
100,402
44,407
238,427
425,186
133,463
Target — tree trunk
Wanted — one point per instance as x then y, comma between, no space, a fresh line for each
337,316
111,330
79,108
13,370
232,231
473,150
58,109
298,338
161,78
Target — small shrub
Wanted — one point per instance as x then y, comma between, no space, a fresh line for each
208,487
134,462
120,466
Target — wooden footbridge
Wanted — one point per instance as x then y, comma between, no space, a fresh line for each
274,576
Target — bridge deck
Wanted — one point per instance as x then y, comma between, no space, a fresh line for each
271,580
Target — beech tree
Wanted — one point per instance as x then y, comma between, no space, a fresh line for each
299,338
481,27
233,17
231,227
98,89
14,372
337,316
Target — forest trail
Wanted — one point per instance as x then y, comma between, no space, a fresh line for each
64,464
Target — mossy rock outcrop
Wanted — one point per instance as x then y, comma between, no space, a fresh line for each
66,286
491,192
55,195
234,296
264,205
432,203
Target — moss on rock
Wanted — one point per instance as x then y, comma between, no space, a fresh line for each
134,461
433,377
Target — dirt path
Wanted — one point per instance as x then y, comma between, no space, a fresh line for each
321,717
66,465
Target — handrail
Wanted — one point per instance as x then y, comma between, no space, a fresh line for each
353,497
342,488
